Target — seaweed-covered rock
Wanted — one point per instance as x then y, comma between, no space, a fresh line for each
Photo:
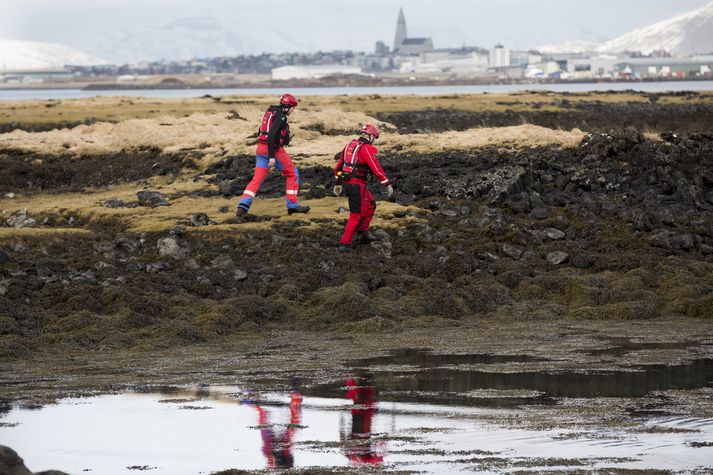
151,199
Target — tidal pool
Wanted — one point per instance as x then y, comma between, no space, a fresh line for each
409,411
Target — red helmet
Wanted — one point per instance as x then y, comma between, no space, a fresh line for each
370,129
288,100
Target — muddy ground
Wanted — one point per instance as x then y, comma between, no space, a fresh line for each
538,251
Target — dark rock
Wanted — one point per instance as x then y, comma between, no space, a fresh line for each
685,242
114,203
222,262
512,251
156,267
557,257
315,193
127,245
152,199
43,271
21,219
493,213
191,264
11,463
539,213
530,255
4,258
554,234
404,199
451,213
82,276
200,219
178,231
228,188
224,209
521,207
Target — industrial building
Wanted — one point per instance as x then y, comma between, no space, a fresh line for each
312,72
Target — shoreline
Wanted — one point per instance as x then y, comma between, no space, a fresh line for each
400,83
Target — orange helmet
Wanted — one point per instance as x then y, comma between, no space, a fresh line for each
370,129
288,100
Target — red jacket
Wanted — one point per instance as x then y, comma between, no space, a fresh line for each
367,162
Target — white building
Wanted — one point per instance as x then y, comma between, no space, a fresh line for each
448,63
313,72
499,57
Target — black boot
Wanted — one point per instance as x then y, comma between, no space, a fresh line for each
364,237
345,247
299,209
240,214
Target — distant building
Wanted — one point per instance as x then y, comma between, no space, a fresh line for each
499,57
404,45
313,72
524,58
381,49
665,67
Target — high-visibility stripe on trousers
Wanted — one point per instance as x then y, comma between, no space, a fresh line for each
283,162
361,208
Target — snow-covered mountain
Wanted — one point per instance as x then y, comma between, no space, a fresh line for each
33,55
685,34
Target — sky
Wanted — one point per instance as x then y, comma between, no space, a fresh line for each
310,25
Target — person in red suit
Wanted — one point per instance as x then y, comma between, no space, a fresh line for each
273,137
357,162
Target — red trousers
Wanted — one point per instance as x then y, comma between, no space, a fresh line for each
361,208
283,162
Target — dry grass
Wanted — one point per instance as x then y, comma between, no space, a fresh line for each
216,135
144,219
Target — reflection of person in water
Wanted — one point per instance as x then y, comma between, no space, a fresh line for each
277,444
358,445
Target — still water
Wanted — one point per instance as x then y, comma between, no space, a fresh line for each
676,86
411,410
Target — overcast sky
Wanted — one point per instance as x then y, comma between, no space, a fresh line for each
331,24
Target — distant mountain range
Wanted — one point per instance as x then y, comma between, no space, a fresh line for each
685,34
33,55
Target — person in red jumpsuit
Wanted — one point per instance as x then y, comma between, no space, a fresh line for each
357,161
273,136
359,445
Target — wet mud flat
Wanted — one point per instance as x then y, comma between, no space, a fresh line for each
496,396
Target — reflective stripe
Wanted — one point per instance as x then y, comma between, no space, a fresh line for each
249,193
292,192
384,182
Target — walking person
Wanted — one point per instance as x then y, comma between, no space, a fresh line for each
273,137
357,162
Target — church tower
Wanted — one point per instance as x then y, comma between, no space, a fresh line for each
400,30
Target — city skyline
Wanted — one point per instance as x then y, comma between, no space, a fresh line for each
103,27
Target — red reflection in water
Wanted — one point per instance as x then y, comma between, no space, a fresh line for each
277,442
358,444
